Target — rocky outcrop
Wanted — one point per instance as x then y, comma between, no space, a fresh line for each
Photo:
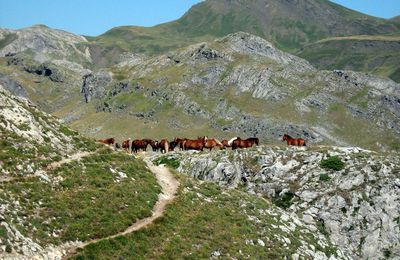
46,44
356,206
93,85
11,85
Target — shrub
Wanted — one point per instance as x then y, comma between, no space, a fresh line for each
333,163
324,177
170,162
284,201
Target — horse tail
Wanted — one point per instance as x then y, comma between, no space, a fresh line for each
304,143
256,141
166,146
231,141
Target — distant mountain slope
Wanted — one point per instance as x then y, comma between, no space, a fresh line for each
44,44
238,85
288,24
379,55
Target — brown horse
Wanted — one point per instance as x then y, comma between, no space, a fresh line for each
154,145
239,143
225,144
179,142
211,143
138,145
163,145
108,141
293,141
125,144
195,144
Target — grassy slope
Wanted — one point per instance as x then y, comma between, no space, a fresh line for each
379,55
79,200
203,219
212,19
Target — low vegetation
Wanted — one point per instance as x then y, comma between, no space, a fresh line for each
206,221
170,162
332,163
98,196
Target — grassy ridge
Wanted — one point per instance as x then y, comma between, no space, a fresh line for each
203,220
377,54
96,197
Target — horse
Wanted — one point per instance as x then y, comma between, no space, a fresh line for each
293,141
125,144
225,144
179,142
172,145
108,141
195,144
239,143
154,145
163,145
231,141
211,143
117,146
138,145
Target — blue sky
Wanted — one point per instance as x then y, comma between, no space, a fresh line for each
93,17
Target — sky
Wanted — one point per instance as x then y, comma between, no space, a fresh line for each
94,17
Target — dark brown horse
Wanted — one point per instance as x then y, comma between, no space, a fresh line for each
125,145
179,142
293,141
239,143
195,144
138,145
163,145
211,143
154,145
108,141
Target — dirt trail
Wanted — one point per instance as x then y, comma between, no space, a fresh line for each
74,157
52,166
169,186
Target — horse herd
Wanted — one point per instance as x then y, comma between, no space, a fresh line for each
199,144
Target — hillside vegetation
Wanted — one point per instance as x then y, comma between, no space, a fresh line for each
45,202
368,53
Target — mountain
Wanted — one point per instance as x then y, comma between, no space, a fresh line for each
368,53
60,190
43,44
288,24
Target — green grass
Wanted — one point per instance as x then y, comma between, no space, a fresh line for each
170,162
332,163
204,219
87,201
324,177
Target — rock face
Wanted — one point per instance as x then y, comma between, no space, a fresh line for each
94,85
45,42
356,206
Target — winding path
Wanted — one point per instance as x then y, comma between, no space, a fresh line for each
169,186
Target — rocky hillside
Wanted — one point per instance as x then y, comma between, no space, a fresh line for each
237,85
44,44
348,194
376,54
57,187
241,84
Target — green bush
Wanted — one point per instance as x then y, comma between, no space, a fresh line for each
324,177
284,201
170,162
333,163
